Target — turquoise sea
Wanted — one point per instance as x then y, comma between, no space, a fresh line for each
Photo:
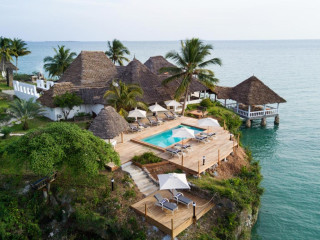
290,153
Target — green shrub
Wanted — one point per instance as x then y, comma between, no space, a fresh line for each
22,77
130,193
6,132
146,158
206,102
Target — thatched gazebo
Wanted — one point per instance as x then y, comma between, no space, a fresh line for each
251,97
108,124
8,68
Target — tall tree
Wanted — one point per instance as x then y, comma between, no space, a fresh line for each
191,63
5,51
123,97
117,52
58,64
24,110
18,49
67,102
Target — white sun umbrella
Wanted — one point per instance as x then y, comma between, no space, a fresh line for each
173,181
208,122
182,132
173,103
157,108
137,113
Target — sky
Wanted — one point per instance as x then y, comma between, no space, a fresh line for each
159,20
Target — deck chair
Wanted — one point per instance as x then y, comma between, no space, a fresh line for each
203,139
169,117
187,147
165,204
141,124
209,135
133,128
180,198
153,122
175,114
174,152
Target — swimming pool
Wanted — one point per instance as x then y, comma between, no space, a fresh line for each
165,139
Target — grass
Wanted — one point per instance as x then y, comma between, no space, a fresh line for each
3,85
146,158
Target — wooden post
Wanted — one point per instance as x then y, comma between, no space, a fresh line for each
219,157
122,138
182,160
145,211
172,237
238,141
224,124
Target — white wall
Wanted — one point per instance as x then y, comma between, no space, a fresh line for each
25,91
44,85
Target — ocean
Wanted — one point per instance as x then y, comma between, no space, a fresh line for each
288,153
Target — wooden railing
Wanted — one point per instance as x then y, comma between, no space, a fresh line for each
243,113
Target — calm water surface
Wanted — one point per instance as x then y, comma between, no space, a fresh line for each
289,154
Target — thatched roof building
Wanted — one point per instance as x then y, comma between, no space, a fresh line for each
250,92
7,65
108,124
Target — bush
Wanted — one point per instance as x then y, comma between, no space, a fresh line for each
146,158
22,77
6,132
206,103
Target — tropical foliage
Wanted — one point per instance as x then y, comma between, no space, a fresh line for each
191,66
58,64
67,102
123,97
61,146
24,110
117,52
18,49
5,51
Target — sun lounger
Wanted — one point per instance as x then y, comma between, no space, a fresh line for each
184,146
133,128
209,135
159,119
175,114
180,198
203,139
165,204
153,122
169,117
174,151
141,124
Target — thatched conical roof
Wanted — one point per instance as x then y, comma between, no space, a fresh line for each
108,124
90,69
137,73
250,92
7,65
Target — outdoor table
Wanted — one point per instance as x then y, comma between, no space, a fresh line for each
199,113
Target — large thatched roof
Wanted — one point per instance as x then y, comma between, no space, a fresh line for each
7,65
158,62
137,73
108,124
250,92
90,69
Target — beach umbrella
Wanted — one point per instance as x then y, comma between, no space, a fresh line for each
173,103
173,181
157,108
137,113
208,122
183,132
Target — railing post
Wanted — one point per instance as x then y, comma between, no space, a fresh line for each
145,210
172,237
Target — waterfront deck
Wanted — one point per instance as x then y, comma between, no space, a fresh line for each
172,224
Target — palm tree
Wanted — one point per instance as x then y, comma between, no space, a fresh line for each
19,49
5,51
191,62
58,64
123,97
117,51
24,110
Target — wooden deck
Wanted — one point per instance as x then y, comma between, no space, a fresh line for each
172,224
217,149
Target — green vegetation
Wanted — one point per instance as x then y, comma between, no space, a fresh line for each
59,63
5,51
4,104
18,49
117,51
60,146
146,158
123,97
4,86
67,102
22,77
23,110
6,132
191,66
215,109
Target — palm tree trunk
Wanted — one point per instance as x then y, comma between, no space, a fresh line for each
17,65
25,125
185,101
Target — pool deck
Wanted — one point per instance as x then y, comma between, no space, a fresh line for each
172,224
217,149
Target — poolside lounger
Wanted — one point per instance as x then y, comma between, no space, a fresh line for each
159,119
184,146
174,151
153,122
169,117
209,135
133,128
165,204
141,124
175,114
180,198
203,139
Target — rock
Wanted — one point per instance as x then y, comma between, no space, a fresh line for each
215,173
25,190
154,228
53,201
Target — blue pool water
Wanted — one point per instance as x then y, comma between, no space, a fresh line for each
165,139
